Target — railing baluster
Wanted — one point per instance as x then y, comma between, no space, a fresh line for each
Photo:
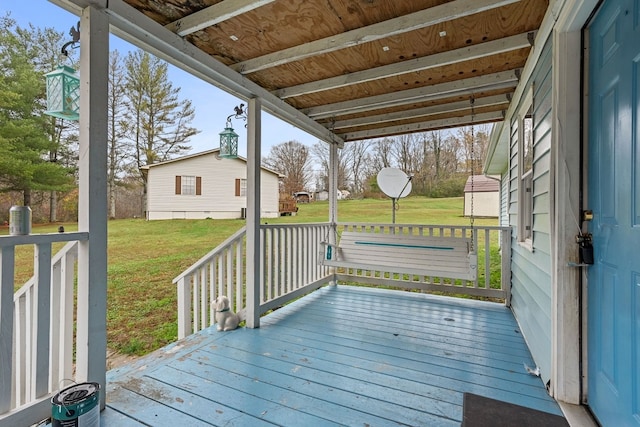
42,266
20,350
240,275
204,298
184,306
229,269
300,253
289,258
56,326
211,268
196,297
281,265
7,261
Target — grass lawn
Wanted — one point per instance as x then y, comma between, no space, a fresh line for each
145,256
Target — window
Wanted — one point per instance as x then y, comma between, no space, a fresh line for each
526,128
241,187
189,185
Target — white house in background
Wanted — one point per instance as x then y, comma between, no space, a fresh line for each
485,192
204,185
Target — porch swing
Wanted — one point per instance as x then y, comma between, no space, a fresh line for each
450,257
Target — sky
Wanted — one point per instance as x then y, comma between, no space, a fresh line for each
212,105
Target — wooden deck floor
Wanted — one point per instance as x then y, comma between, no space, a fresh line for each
340,356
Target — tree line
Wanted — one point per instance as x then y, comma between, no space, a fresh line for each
148,121
439,161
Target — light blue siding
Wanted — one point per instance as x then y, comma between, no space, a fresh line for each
531,269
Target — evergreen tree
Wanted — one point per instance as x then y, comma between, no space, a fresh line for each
24,139
158,121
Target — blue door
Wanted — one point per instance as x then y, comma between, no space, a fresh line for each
614,196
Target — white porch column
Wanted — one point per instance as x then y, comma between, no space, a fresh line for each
565,217
254,156
92,200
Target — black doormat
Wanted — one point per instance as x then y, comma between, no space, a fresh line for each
479,411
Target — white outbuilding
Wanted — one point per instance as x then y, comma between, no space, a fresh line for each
485,191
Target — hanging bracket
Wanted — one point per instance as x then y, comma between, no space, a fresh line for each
74,32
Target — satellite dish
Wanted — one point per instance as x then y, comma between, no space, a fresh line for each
394,183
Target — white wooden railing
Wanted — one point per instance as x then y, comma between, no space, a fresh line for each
290,266
36,326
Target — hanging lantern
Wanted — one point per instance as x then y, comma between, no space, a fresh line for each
63,93
228,143
228,138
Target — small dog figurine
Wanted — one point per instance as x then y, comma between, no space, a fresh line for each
226,319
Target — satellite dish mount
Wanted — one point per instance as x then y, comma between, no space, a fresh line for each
396,184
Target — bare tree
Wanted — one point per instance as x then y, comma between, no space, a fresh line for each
293,160
482,135
358,163
383,153
474,144
321,154
118,149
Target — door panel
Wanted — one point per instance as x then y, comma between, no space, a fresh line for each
614,195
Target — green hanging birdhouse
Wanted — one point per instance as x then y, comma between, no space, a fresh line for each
63,93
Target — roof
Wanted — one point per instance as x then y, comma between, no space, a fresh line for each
215,151
345,70
482,184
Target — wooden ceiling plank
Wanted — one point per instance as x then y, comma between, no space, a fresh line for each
423,126
212,15
403,24
451,57
421,112
141,31
490,81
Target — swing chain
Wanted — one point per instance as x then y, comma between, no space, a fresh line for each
473,143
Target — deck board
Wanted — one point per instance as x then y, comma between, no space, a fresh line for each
339,356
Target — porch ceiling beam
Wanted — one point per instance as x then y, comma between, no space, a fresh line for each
403,24
422,112
141,31
501,80
212,15
423,126
466,53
